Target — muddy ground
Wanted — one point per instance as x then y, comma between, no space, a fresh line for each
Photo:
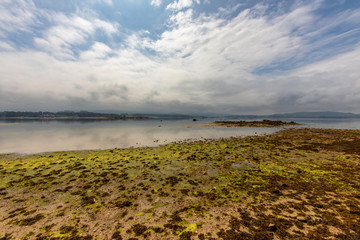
295,184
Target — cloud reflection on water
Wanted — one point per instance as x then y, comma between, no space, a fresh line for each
47,136
34,137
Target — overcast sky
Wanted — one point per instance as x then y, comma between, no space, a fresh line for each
180,56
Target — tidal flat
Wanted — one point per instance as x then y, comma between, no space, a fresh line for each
293,184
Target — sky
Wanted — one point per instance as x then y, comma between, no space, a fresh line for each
180,56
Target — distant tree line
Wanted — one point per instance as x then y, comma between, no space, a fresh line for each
81,114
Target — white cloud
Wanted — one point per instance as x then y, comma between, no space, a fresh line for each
329,84
70,31
98,50
6,46
155,3
243,43
16,15
60,32
182,18
178,5
109,2
59,39
107,27
214,59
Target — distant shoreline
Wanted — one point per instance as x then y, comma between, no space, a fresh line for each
75,118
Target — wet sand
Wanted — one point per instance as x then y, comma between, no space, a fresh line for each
294,184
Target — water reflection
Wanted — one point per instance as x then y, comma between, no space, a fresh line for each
35,136
45,136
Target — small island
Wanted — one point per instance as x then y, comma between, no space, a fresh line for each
263,123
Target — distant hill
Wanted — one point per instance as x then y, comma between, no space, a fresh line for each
317,115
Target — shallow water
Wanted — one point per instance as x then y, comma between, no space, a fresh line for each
46,136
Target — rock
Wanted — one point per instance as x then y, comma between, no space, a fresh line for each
302,219
314,219
277,192
272,227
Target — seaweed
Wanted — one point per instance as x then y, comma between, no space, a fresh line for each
139,229
30,221
123,204
116,236
88,200
7,236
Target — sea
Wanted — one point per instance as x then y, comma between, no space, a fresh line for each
35,136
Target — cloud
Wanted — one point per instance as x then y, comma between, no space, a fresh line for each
155,3
16,15
69,32
108,27
178,5
330,85
235,60
58,33
6,46
98,50
59,39
243,43
221,58
109,2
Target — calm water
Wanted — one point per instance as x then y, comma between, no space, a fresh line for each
46,136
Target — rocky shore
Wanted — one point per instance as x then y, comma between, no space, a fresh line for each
263,123
294,184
